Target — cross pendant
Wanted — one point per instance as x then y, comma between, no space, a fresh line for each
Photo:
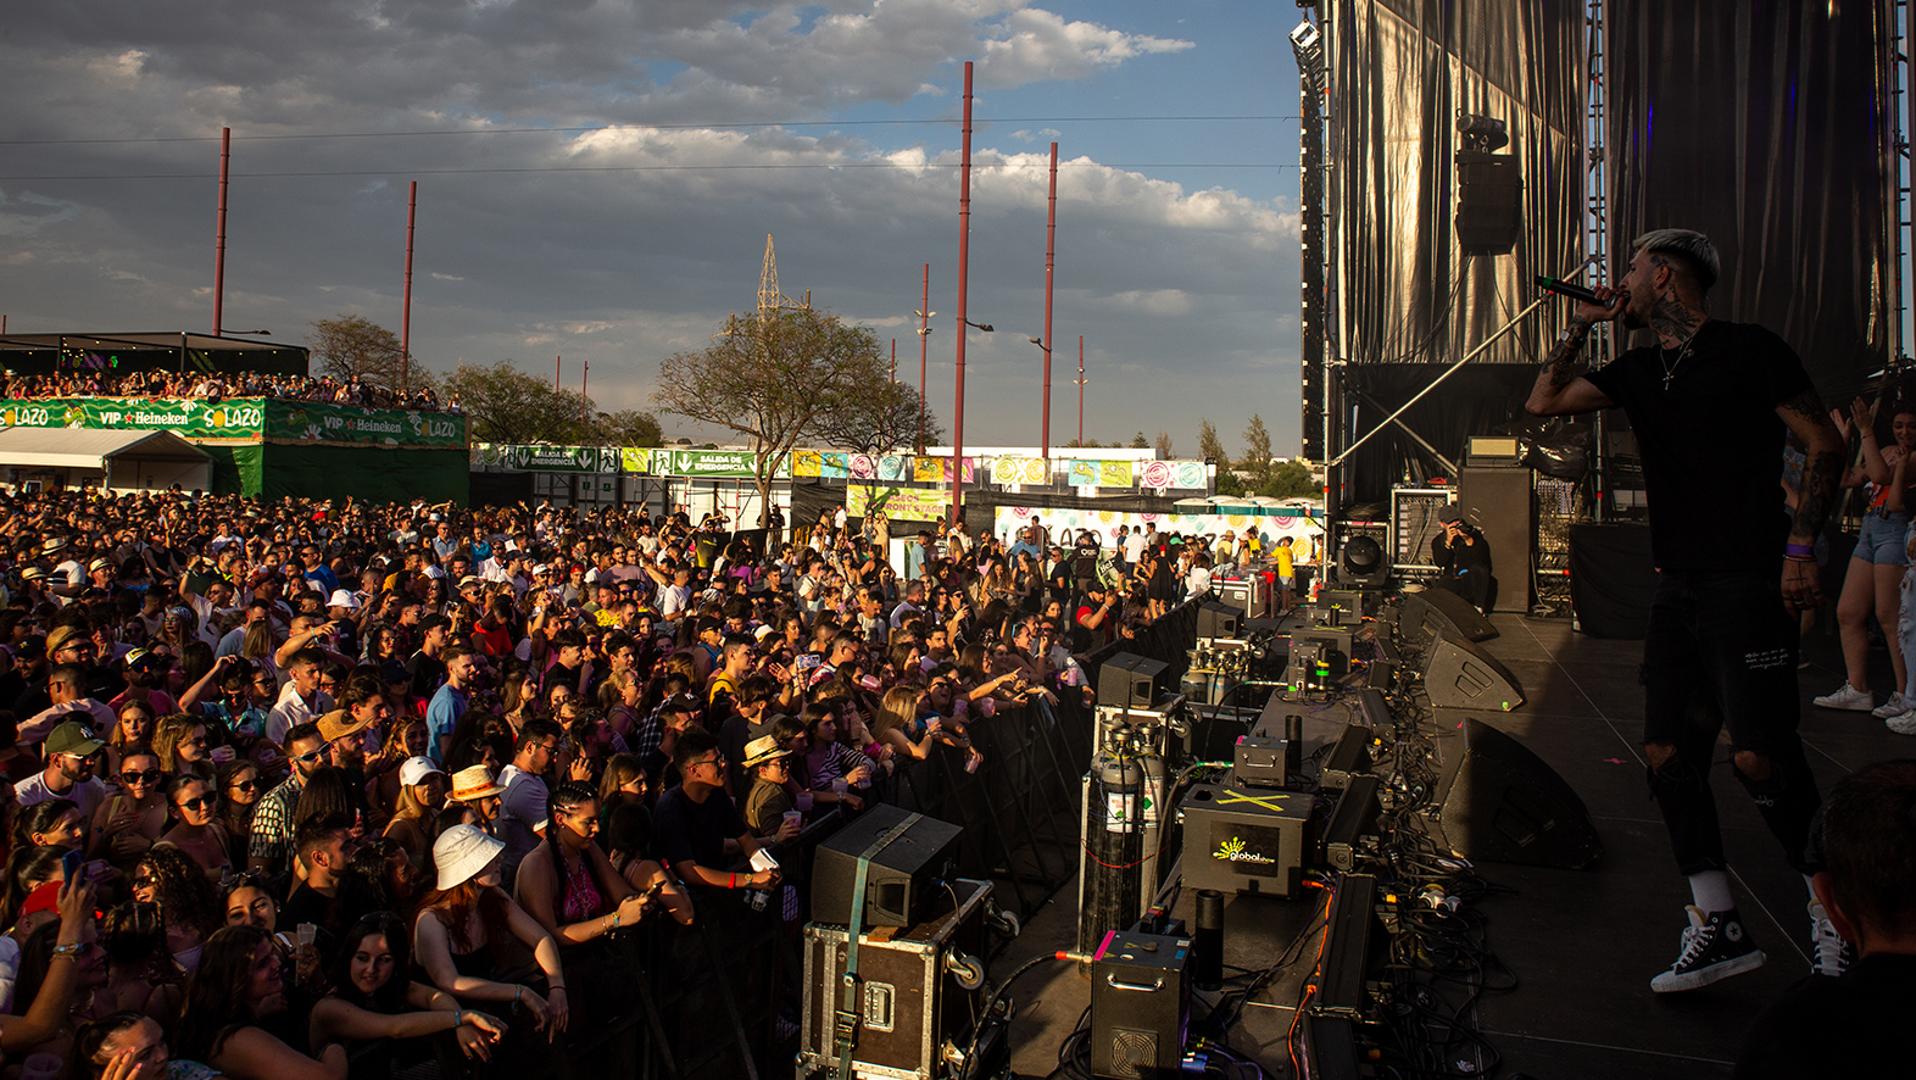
1667,376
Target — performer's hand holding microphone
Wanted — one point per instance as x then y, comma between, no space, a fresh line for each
1600,304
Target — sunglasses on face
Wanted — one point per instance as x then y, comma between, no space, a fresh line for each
199,803
136,776
244,786
313,755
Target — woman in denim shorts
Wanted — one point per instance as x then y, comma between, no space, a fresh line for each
1873,582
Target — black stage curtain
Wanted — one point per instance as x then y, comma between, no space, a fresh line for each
1402,71
1765,127
1612,580
1477,400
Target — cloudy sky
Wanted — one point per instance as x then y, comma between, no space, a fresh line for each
596,179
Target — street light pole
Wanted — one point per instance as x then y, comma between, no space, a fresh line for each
924,339
894,359
405,318
1050,249
964,270
1081,390
219,233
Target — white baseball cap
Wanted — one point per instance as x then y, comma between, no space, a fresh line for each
415,771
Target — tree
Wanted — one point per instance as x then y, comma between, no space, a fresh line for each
1289,480
883,420
1163,445
628,427
353,345
1139,442
1211,448
779,377
1257,453
507,405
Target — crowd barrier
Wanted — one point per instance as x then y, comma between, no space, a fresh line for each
719,998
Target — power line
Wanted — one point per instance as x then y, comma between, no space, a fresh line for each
730,166
663,126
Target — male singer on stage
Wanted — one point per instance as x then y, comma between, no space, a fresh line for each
1709,401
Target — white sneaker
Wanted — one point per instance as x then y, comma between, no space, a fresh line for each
1847,698
1897,705
1830,955
1904,724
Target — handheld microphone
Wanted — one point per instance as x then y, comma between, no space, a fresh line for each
1565,288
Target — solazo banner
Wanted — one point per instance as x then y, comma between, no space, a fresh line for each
246,419
234,419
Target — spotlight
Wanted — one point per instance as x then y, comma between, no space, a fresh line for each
1483,133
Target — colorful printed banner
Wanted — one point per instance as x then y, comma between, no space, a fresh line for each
1100,473
1297,524
1159,475
542,458
1020,470
350,425
898,503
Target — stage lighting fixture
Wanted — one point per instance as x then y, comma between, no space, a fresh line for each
1484,134
1364,562
1304,35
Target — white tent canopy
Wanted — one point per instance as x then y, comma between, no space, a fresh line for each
117,460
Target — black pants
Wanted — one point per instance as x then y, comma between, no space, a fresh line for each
1721,653
1473,586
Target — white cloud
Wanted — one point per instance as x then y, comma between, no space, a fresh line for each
437,276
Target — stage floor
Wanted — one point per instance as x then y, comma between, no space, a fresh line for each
1582,943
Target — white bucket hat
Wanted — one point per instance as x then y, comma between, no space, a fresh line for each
461,852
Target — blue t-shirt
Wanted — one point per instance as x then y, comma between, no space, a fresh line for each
442,717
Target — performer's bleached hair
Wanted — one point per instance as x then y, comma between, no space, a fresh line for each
1690,248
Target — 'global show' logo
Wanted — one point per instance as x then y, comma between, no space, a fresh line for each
1236,850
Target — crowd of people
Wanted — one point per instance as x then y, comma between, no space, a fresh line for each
218,386
298,788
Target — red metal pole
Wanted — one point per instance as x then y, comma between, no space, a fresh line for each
1080,389
405,318
964,271
894,359
219,233
924,340
555,373
585,407
1050,255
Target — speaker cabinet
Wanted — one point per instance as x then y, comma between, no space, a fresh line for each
1218,620
1128,680
1500,502
1498,802
1459,674
899,889
1440,611
1489,202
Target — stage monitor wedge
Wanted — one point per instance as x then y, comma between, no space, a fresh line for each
1459,674
1130,681
1499,802
899,886
1426,614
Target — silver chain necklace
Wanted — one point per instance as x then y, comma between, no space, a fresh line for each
1683,353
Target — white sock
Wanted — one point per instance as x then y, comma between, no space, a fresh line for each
1710,890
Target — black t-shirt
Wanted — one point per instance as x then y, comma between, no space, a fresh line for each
684,829
1857,1025
1712,444
428,673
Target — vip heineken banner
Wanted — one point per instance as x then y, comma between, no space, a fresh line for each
898,503
541,458
244,420
350,425
235,419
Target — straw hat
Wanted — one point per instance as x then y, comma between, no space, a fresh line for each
474,782
462,852
339,723
763,749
